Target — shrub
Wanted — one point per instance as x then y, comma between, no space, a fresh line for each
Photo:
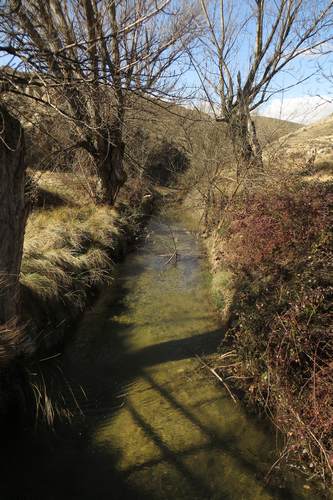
273,229
279,246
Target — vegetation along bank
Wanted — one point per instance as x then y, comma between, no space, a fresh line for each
104,105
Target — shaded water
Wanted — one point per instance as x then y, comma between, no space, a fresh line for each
155,425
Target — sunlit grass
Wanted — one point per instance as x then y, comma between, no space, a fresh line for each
67,250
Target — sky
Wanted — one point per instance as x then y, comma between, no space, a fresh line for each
303,94
299,97
300,92
307,101
303,109
307,95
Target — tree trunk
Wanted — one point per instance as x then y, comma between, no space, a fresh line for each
13,214
254,142
245,143
110,165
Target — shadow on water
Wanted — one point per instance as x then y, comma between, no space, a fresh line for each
153,425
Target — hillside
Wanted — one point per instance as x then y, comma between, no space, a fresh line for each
159,115
268,129
271,129
298,146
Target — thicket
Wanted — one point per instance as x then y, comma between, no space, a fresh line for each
278,247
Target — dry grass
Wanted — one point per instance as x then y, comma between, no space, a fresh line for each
72,188
292,151
66,251
12,340
67,254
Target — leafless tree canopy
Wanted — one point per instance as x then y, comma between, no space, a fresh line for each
87,57
247,43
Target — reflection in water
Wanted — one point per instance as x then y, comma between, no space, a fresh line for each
155,426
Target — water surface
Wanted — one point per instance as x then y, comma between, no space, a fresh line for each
155,424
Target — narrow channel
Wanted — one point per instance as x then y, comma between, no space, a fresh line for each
154,424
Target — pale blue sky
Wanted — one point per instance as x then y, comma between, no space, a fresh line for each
309,100
297,102
297,93
300,97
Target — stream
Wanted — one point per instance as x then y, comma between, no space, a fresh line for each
150,420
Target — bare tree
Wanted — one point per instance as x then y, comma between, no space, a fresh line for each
87,58
13,214
248,43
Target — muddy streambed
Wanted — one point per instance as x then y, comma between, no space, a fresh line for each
152,423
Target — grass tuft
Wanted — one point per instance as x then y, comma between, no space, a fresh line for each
67,254
68,249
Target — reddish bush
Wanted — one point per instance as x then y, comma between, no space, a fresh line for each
270,227
280,246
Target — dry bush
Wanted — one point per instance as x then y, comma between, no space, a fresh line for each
210,176
266,228
299,361
279,246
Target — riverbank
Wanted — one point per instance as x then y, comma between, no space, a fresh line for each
147,421
271,258
70,251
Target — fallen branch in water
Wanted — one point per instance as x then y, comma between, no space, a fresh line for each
233,397
175,253
281,457
170,259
